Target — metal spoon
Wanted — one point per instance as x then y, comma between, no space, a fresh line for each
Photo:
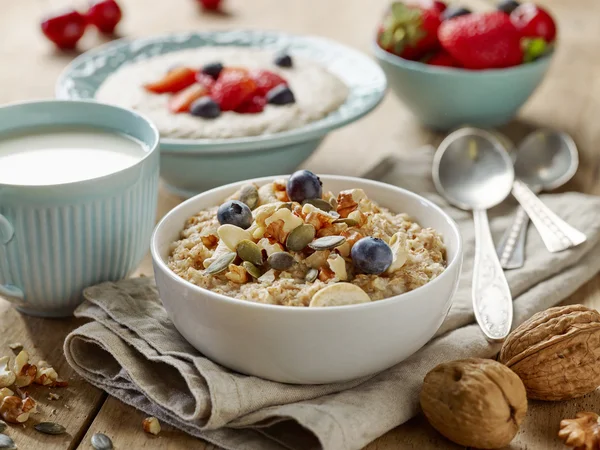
474,172
545,160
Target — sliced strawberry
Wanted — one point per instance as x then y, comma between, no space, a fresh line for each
182,101
443,59
205,80
266,80
175,80
233,87
253,105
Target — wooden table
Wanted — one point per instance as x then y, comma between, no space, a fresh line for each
569,99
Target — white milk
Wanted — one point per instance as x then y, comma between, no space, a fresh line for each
55,156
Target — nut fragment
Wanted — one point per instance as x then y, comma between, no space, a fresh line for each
556,352
232,235
339,294
237,274
583,432
53,396
16,347
45,375
474,402
286,221
24,371
221,250
348,201
7,376
5,392
269,247
151,425
337,265
399,250
12,410
317,217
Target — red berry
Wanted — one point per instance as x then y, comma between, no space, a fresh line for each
534,21
443,59
210,5
409,31
266,80
173,81
105,15
482,40
182,101
206,80
253,105
65,29
233,87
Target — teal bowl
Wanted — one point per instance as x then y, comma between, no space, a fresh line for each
445,98
190,166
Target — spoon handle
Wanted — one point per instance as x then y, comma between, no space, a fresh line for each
511,249
557,234
492,300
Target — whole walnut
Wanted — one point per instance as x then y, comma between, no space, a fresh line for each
556,352
474,402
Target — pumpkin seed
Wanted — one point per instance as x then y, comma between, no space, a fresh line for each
101,442
323,205
333,202
311,275
50,428
249,196
281,261
300,237
220,264
347,221
249,251
6,443
286,205
327,242
251,269
2,426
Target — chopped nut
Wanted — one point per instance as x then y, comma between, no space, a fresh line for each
13,409
326,274
151,425
269,247
237,274
7,376
46,375
348,201
16,346
317,217
258,232
279,188
317,259
358,217
399,250
221,250
267,277
286,221
266,194
583,432
53,396
25,372
210,240
261,213
275,230
5,392
338,266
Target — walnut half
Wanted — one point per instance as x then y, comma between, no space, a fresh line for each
582,432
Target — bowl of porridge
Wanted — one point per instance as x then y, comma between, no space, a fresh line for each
230,105
307,279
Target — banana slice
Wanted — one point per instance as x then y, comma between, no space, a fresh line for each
339,294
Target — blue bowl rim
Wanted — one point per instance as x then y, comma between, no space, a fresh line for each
417,66
311,131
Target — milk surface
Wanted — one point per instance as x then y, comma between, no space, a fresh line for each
39,157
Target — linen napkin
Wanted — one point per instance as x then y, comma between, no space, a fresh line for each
131,350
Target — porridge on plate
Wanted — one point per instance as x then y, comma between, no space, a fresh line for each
225,92
289,243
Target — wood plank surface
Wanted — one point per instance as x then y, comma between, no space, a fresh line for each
569,99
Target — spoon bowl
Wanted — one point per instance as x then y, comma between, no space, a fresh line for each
472,169
546,159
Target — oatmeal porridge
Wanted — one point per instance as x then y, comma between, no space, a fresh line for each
225,92
289,243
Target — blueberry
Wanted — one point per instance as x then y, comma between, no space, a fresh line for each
280,95
304,185
507,6
213,69
371,255
205,107
235,213
283,60
452,11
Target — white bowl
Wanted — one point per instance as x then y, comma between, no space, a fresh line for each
308,345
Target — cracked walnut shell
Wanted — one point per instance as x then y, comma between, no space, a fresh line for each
474,402
583,432
556,352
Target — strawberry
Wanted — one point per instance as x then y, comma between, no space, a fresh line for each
482,40
266,80
175,80
205,80
409,31
210,5
182,101
233,87
443,59
65,28
534,22
253,105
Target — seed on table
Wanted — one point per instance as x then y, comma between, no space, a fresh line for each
6,443
2,426
281,261
311,275
323,205
327,242
220,264
50,428
300,237
101,442
249,196
249,251
251,269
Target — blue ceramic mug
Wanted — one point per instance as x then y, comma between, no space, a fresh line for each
57,239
